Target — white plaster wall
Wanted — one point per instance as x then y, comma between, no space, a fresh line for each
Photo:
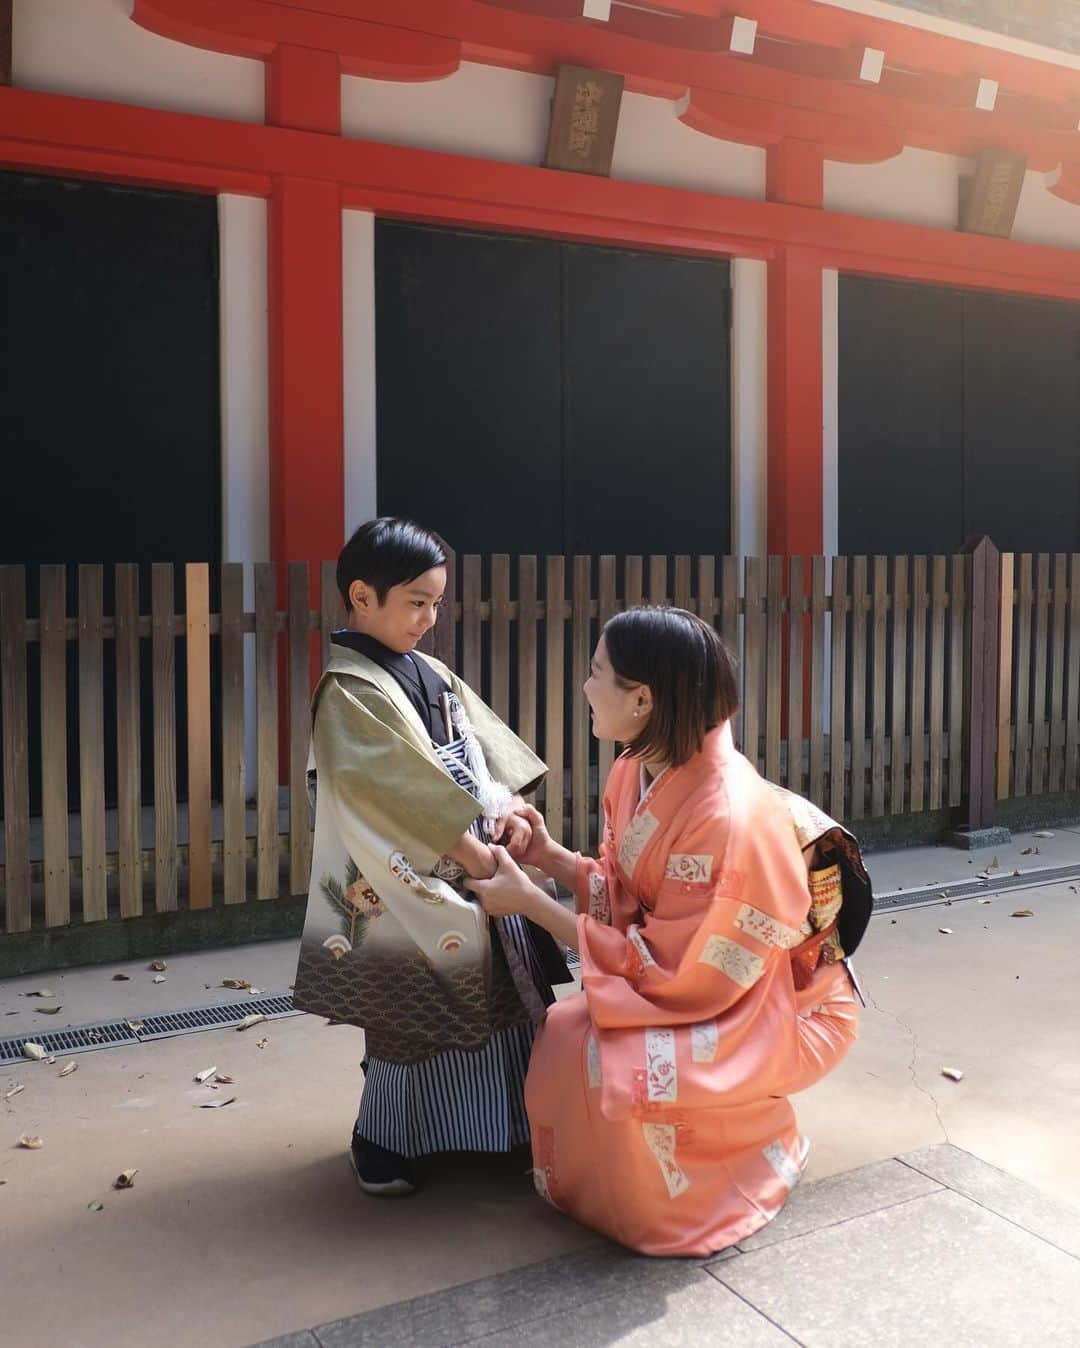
245,458
1042,217
653,146
358,297
749,406
479,111
92,49
917,186
486,113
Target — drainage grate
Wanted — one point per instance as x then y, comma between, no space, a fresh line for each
163,1025
927,895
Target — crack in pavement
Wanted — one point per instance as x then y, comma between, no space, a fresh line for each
911,1063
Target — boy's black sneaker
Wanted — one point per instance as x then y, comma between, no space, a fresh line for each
380,1172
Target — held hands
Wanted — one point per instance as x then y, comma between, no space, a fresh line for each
509,891
513,831
535,851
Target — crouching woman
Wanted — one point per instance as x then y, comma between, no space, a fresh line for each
713,984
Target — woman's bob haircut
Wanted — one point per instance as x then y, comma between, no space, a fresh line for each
688,670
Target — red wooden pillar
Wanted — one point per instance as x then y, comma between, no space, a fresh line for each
307,472
794,175
306,406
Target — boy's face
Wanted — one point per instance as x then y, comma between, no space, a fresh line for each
408,613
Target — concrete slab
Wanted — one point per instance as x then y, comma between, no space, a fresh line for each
935,1269
914,867
651,1316
837,1199
991,1188
304,1340
191,979
995,998
245,1222
485,1307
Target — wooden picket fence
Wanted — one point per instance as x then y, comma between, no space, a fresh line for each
876,686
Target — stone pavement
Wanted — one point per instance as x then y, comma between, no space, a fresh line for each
245,1222
929,1248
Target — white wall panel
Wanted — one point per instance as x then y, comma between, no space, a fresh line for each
749,406
485,113
245,456
358,303
92,49
917,186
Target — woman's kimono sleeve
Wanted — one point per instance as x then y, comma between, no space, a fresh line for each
724,917
388,797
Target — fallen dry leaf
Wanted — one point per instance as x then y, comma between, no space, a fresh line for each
1027,851
30,1143
237,984
249,1021
218,1104
158,978
134,1025
986,900
95,1036
159,966
945,931
205,1074
68,1068
121,978
1042,833
34,1051
224,1079
95,1206
16,1089
1023,912
41,992
953,1073
48,1010
125,1179
262,1043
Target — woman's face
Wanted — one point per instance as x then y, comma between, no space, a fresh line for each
617,713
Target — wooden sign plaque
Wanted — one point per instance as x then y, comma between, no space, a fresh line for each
584,120
988,201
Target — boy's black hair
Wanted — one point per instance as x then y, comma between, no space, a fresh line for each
688,669
387,552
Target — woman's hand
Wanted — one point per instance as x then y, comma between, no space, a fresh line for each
509,891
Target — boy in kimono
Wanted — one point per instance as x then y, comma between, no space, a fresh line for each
414,775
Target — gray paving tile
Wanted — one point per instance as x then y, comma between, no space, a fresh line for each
684,1312
305,1339
461,1314
841,1197
999,1192
938,1269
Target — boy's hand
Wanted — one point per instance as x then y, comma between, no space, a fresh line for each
514,832
539,837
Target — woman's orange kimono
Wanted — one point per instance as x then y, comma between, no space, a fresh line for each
658,1095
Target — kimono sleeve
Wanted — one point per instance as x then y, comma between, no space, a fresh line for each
386,792
723,921
509,759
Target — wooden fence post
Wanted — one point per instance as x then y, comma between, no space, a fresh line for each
974,820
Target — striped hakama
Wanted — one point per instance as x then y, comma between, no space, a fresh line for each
456,1100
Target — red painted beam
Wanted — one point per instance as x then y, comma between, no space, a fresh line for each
303,89
379,37
141,144
255,28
